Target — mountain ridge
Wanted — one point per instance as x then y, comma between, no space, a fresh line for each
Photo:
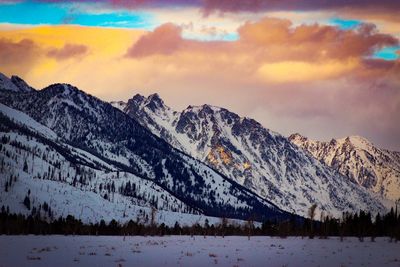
246,152
98,128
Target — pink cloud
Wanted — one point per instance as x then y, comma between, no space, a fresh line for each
67,51
11,51
17,57
210,6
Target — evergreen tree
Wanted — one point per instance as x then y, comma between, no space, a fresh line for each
25,166
27,202
311,215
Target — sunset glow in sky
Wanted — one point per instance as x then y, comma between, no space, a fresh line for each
325,69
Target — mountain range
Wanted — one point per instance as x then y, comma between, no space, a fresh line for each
89,136
263,161
97,160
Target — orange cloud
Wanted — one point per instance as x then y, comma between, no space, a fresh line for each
163,40
297,71
313,42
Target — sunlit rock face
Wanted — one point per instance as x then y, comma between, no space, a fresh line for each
265,162
376,169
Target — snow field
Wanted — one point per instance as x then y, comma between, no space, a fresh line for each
197,251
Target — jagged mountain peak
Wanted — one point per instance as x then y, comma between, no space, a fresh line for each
153,102
14,84
202,108
352,142
155,97
220,113
6,84
356,157
298,136
207,109
357,141
21,84
137,98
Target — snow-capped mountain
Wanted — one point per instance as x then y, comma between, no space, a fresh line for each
376,169
263,161
87,133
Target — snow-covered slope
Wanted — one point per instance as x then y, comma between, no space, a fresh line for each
71,181
376,169
87,131
261,160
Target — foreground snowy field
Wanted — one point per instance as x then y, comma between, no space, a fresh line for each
186,251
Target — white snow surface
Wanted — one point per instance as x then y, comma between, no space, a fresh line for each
21,118
197,251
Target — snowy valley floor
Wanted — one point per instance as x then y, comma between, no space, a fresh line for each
185,251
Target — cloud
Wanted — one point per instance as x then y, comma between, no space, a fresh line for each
289,5
243,5
17,56
67,51
163,40
11,51
298,71
315,41
272,39
130,4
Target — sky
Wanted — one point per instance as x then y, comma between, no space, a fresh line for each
325,69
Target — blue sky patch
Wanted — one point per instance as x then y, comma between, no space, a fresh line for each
35,13
345,24
387,53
